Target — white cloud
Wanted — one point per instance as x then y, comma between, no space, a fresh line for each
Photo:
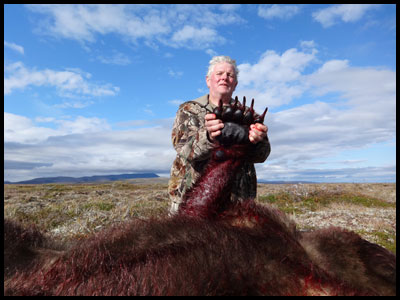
184,25
19,129
82,125
363,114
68,83
229,7
193,37
347,108
372,89
14,47
344,12
83,146
274,79
86,146
43,119
176,102
74,104
211,52
116,58
308,44
278,11
276,172
273,67
175,74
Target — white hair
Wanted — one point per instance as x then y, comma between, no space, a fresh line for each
219,59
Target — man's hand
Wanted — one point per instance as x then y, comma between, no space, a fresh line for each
213,126
257,132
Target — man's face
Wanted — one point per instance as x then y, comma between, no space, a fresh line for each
222,80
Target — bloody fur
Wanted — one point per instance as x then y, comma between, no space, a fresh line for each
246,249
211,247
215,183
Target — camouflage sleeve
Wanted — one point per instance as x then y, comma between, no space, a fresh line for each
259,152
189,136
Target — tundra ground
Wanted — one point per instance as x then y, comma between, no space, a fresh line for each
73,211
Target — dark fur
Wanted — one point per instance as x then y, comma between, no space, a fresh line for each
215,183
18,245
23,246
210,248
250,250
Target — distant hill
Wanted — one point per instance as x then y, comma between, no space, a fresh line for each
103,178
284,182
86,179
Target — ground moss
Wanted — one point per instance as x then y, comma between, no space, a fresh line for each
289,203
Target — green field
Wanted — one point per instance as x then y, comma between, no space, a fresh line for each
71,211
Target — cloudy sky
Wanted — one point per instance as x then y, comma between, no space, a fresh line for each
94,89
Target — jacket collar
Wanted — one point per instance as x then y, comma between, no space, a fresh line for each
203,101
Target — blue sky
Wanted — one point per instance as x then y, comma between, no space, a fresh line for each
94,89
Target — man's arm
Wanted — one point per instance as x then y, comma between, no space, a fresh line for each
189,136
258,153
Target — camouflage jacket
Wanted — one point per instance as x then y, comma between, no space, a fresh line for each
189,138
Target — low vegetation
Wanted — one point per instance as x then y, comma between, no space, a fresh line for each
72,211
368,209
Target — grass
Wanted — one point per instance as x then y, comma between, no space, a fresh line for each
298,203
290,204
100,205
70,211
46,218
384,238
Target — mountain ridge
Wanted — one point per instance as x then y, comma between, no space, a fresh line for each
85,179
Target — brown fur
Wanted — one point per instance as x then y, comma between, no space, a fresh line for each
210,248
346,255
250,250
24,246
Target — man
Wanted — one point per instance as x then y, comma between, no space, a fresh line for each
194,137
